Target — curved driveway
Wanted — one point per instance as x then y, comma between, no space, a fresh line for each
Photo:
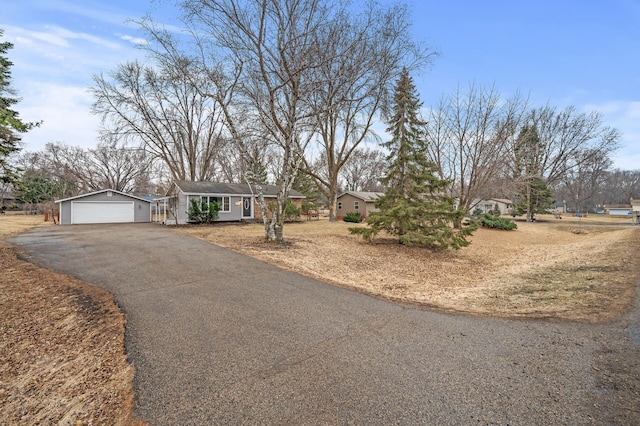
220,338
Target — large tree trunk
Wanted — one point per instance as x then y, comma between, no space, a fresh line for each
333,199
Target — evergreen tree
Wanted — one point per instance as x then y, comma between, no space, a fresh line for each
257,172
414,207
307,186
10,123
534,195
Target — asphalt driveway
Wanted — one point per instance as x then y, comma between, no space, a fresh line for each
220,338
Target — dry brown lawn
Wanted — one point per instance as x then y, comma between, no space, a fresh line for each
568,269
62,357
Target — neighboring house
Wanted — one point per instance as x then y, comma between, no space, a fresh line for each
7,199
105,206
486,205
619,210
635,208
237,201
357,202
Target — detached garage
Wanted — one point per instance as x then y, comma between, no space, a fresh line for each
106,206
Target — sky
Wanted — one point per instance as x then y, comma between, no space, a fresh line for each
584,53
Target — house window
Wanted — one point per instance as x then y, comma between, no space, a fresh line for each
224,203
339,205
356,205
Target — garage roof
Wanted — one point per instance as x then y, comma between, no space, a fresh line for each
100,192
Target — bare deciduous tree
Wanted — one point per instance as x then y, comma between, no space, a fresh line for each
469,137
619,186
109,165
363,169
273,47
569,138
583,183
163,110
362,55
566,143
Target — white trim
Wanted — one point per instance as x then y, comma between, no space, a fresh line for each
100,192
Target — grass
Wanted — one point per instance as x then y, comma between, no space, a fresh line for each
540,270
62,357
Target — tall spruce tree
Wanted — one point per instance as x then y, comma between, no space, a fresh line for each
414,208
534,195
10,123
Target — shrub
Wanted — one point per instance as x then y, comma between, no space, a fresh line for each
291,211
477,212
353,217
203,212
495,222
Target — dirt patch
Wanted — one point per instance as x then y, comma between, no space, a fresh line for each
62,357
541,270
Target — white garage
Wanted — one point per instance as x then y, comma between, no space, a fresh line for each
106,206
102,212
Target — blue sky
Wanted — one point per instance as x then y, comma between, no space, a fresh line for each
564,52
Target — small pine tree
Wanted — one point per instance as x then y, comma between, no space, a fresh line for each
414,207
305,185
257,173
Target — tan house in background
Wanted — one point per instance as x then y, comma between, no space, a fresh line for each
635,209
357,202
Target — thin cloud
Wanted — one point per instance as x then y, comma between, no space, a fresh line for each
95,11
139,41
55,36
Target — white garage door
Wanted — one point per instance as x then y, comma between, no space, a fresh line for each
102,212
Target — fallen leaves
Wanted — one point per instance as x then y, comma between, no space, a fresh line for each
62,357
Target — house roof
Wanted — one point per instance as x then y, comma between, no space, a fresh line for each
100,192
618,206
242,189
477,201
363,195
501,200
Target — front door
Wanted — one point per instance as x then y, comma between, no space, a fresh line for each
247,210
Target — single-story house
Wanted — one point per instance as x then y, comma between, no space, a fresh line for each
486,205
237,201
357,202
105,206
619,210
